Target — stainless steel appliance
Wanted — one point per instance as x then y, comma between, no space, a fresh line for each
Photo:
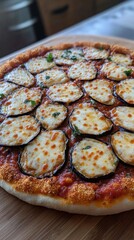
20,25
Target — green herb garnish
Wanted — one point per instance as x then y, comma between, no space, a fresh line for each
76,130
87,147
42,85
101,48
109,58
2,95
128,72
73,58
66,54
55,114
33,103
47,77
49,57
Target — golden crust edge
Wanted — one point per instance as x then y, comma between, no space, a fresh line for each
123,204
42,49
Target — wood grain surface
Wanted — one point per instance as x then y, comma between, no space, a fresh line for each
22,221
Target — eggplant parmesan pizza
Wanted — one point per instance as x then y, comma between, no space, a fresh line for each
67,127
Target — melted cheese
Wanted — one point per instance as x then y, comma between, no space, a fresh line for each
51,115
51,77
23,100
45,154
6,88
93,158
114,71
82,71
67,92
100,90
89,120
21,77
18,131
123,145
125,89
68,56
123,117
39,64
95,53
121,59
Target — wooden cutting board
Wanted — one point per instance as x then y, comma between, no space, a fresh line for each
21,221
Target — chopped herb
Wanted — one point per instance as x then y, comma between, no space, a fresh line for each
101,48
76,130
42,85
109,58
47,77
67,51
49,57
73,58
128,72
33,103
55,114
2,95
87,147
128,175
66,54
92,101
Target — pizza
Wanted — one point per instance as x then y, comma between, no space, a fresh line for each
67,127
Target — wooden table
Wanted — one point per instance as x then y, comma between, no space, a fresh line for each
21,221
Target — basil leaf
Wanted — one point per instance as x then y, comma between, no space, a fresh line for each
76,130
73,58
109,58
49,57
47,77
128,72
42,85
101,48
33,103
2,95
87,147
55,114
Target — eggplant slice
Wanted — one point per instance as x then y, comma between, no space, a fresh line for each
125,90
51,115
82,71
95,53
122,59
51,77
6,88
123,145
123,116
86,119
115,71
68,56
100,90
18,131
23,100
45,155
20,76
92,158
39,64
65,92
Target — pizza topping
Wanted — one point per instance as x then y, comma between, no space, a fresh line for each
45,154
95,53
125,90
67,56
20,76
67,92
123,145
39,64
92,158
121,59
123,116
89,120
23,100
51,77
100,90
82,71
51,115
115,72
6,88
18,131
49,57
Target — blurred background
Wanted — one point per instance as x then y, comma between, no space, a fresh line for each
23,22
